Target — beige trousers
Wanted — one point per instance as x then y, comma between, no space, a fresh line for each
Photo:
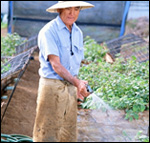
56,113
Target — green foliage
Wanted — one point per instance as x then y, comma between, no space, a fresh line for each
121,85
142,138
4,68
8,45
93,51
3,25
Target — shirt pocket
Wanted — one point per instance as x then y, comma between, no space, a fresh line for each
79,53
78,56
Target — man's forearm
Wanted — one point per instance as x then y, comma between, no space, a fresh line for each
64,73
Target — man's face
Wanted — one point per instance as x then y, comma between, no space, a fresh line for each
69,15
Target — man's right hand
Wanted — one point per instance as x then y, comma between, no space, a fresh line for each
81,90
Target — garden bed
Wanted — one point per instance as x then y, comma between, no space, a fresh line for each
19,118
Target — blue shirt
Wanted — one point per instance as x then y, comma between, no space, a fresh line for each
55,39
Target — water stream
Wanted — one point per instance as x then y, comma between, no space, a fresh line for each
95,102
98,101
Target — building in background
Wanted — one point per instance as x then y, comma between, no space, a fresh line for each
4,7
138,9
103,23
4,11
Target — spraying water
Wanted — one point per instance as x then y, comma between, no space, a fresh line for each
95,102
98,101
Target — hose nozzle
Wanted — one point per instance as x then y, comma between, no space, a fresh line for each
89,89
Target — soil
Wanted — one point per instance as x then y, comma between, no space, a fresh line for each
139,27
20,115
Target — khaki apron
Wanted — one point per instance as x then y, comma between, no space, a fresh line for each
56,113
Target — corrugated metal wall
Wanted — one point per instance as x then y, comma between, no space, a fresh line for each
138,9
101,22
4,7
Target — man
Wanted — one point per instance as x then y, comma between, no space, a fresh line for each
61,52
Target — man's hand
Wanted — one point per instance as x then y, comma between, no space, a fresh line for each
81,90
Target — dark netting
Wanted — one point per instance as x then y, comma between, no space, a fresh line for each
23,52
27,45
17,63
128,46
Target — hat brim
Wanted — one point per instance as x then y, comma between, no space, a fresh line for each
66,4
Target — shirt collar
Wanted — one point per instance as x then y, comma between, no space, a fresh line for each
61,24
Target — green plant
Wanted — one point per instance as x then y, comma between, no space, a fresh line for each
122,85
3,25
4,68
142,138
93,51
8,45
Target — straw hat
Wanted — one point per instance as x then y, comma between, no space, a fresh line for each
66,4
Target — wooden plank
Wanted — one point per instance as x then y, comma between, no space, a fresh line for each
108,56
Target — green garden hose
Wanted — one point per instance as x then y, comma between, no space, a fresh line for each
15,138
